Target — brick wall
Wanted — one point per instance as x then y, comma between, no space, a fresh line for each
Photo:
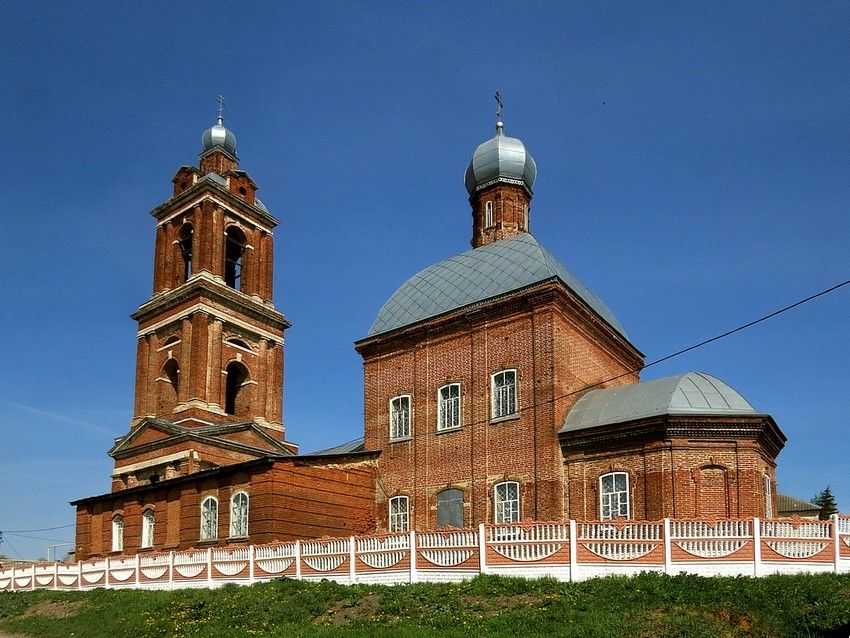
289,498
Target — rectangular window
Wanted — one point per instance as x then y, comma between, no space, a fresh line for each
118,533
400,417
488,214
768,497
448,407
614,496
503,387
506,501
399,520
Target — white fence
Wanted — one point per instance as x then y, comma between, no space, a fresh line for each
566,550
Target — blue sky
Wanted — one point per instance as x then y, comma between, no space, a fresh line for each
693,172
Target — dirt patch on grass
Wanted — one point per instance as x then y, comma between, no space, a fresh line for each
54,609
344,612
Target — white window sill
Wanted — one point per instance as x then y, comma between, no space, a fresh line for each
502,419
454,428
401,439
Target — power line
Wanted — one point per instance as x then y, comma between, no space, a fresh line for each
43,529
702,343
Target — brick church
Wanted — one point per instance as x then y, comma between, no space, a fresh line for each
497,389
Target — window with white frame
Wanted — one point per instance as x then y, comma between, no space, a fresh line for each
613,496
448,407
506,502
239,514
399,514
488,214
503,391
118,533
148,522
209,518
400,417
768,497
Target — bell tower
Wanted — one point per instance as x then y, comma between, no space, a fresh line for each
209,363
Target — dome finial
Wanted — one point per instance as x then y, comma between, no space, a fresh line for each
499,107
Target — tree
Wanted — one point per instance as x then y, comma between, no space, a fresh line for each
826,502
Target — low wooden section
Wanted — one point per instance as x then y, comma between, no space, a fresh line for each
567,550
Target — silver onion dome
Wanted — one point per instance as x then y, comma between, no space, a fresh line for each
500,159
218,135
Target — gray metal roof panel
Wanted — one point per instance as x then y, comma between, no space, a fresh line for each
357,445
689,393
477,275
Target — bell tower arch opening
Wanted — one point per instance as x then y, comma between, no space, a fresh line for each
234,251
184,244
236,400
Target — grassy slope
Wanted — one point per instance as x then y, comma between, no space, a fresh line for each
648,605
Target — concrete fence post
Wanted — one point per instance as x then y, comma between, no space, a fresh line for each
138,570
668,548
79,574
252,556
298,559
13,578
171,569
482,549
106,574
352,572
209,566
836,541
414,576
756,546
56,574
573,550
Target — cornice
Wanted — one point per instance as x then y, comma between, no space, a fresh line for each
204,285
187,198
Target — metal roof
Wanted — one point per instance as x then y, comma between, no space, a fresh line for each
689,393
500,158
357,445
477,275
787,505
219,135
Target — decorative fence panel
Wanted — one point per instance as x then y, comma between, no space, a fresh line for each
567,550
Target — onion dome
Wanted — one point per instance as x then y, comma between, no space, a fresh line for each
500,159
219,136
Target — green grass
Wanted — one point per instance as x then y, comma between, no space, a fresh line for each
648,605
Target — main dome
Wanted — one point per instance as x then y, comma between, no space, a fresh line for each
501,158
478,275
219,135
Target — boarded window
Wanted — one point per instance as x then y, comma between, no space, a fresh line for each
450,508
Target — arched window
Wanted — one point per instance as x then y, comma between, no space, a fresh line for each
118,533
503,394
184,241
506,502
148,521
237,375
399,514
209,518
448,407
239,514
768,497
171,370
239,343
613,496
450,508
488,214
233,252
400,417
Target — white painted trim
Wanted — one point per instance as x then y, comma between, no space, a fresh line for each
169,345
214,312
168,458
197,403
